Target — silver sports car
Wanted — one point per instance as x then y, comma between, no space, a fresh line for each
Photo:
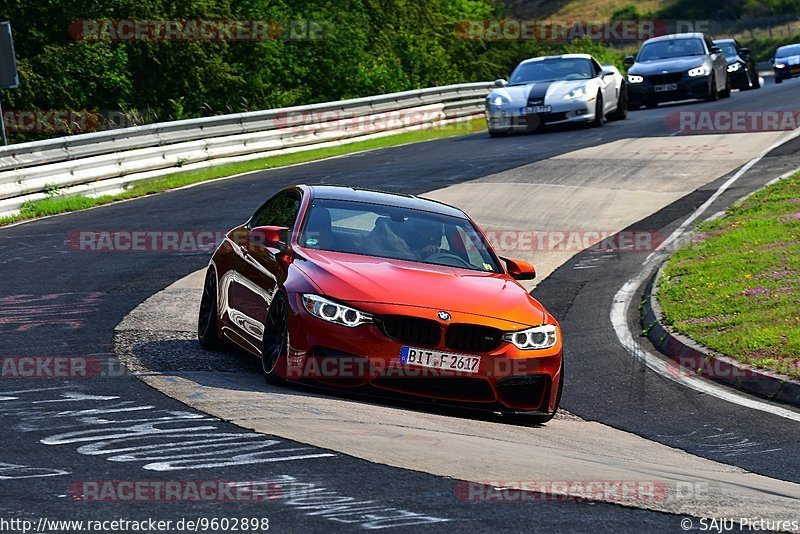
571,88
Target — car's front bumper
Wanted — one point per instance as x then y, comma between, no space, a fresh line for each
685,88
514,118
740,79
507,380
792,71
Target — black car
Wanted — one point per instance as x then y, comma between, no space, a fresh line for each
787,62
741,67
677,67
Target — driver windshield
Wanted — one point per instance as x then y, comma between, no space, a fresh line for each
551,70
786,51
671,48
397,233
729,49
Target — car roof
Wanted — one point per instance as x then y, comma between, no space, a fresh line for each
726,40
372,196
561,56
692,35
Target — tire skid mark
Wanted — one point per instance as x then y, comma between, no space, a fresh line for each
25,312
718,440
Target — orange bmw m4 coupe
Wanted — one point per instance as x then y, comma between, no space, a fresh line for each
382,292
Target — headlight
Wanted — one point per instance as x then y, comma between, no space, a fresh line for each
334,312
734,67
538,337
496,100
633,78
702,70
780,65
578,92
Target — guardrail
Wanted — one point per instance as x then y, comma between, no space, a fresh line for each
109,161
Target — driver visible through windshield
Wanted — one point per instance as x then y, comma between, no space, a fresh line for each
671,48
551,70
397,233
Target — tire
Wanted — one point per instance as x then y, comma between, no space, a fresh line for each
651,105
275,343
756,82
621,113
778,80
726,93
540,419
207,319
494,133
713,93
599,115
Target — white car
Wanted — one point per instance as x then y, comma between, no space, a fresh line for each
570,88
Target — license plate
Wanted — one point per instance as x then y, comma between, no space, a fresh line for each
537,109
666,87
439,360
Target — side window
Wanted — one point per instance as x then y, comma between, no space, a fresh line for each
597,68
709,44
280,210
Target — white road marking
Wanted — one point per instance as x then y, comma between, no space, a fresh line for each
657,363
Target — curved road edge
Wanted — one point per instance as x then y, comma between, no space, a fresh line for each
718,370
693,359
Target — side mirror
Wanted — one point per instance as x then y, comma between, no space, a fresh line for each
716,50
500,82
268,237
744,52
772,60
604,73
520,270
628,61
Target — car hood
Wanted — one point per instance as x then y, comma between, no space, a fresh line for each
519,94
353,278
669,65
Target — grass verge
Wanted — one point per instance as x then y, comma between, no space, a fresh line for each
55,203
736,288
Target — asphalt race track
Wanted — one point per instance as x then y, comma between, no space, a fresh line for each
59,301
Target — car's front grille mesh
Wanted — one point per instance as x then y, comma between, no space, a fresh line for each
462,337
473,337
661,79
411,329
